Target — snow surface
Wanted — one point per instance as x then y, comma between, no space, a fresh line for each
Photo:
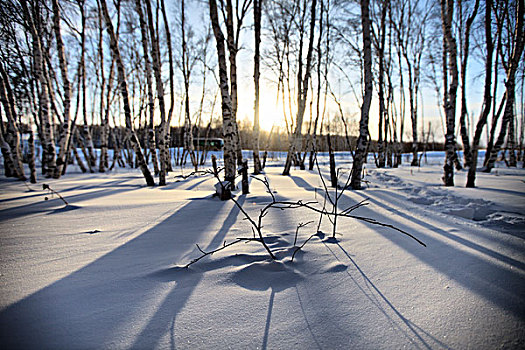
106,271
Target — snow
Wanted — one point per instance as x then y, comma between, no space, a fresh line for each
106,271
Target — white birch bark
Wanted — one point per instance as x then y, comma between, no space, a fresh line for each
256,76
157,72
362,141
447,11
226,105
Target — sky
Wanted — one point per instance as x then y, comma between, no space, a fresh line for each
271,109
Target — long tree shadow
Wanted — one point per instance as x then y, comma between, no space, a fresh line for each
491,280
424,337
93,306
187,280
98,190
40,206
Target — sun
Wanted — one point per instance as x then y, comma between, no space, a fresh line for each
270,113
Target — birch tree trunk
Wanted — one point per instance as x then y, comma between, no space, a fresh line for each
447,12
510,85
495,115
151,99
66,128
9,163
188,130
381,83
227,116
103,160
511,140
86,132
31,156
167,133
412,99
256,76
14,151
232,44
46,120
157,71
362,141
463,113
302,93
125,97
313,146
487,98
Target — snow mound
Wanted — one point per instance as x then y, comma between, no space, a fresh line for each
260,276
335,267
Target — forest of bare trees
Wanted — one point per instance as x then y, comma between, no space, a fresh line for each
132,83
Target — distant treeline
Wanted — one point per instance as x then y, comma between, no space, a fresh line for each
277,141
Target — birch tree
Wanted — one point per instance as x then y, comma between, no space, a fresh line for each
362,141
186,72
411,33
380,42
10,149
66,128
256,77
450,56
125,95
463,112
233,19
487,98
302,89
226,105
157,72
510,85
149,84
86,132
45,116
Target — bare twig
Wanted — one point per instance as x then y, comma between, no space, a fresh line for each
302,245
46,187
301,224
212,251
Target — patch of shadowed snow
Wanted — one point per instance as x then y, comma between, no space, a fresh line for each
264,275
335,267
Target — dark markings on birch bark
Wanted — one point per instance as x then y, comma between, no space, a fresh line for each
157,72
226,105
450,52
256,76
362,141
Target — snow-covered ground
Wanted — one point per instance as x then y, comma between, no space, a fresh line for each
105,271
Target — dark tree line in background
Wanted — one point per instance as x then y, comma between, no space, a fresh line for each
104,81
